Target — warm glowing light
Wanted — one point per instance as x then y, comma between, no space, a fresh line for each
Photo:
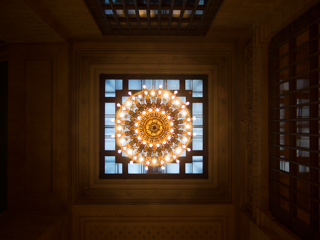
118,105
153,128
144,86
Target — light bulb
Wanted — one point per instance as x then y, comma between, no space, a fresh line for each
185,139
150,145
131,162
129,93
128,104
139,96
154,160
144,112
171,130
112,136
187,126
166,95
188,119
139,138
184,146
136,131
123,108
163,112
169,117
118,121
146,168
171,123
148,162
158,145
164,142
144,86
189,149
135,157
119,135
150,109
133,98
189,133
167,158
118,104
124,148
139,117
130,151
163,168
174,156
159,92
157,109
136,124
119,128
119,151
169,137
121,115
183,106
121,140
177,161
187,103
178,150
160,86
141,159
145,92
184,113
161,162
175,92
173,97
144,142
152,93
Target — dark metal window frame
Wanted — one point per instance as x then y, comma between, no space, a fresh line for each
182,92
285,184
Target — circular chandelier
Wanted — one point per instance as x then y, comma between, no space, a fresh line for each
153,127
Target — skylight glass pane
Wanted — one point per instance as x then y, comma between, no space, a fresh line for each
198,131
135,84
197,108
199,12
110,108
109,144
188,168
111,167
118,84
135,168
158,82
173,84
198,121
197,144
188,84
196,167
109,122
147,83
108,12
172,168
110,85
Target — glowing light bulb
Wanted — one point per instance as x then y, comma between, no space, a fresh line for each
187,103
146,168
130,151
189,149
136,131
184,113
144,112
148,162
166,95
163,112
144,142
178,150
136,124
187,126
171,130
159,92
185,139
161,162
177,161
183,106
123,108
189,133
176,102
124,148
131,162
154,160
129,93
153,93
158,145
112,120
157,109
173,97
119,151
171,123
121,114
175,92
114,136
144,86
141,159
135,157
167,158
174,156
169,117
145,92
139,138
118,121
121,140
150,145
128,104
163,168
119,128
188,119
184,146
160,86
164,142
119,135
133,98
139,117
150,109
118,104
139,96
169,137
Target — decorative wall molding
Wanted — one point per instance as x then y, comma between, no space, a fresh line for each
90,189
157,228
249,126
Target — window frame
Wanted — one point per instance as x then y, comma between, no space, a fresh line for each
118,99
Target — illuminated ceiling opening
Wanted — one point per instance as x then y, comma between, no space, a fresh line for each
154,17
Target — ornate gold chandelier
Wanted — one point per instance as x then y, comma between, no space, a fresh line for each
153,127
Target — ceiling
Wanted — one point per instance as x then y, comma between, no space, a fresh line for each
34,21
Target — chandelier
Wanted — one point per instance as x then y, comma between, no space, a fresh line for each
153,127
